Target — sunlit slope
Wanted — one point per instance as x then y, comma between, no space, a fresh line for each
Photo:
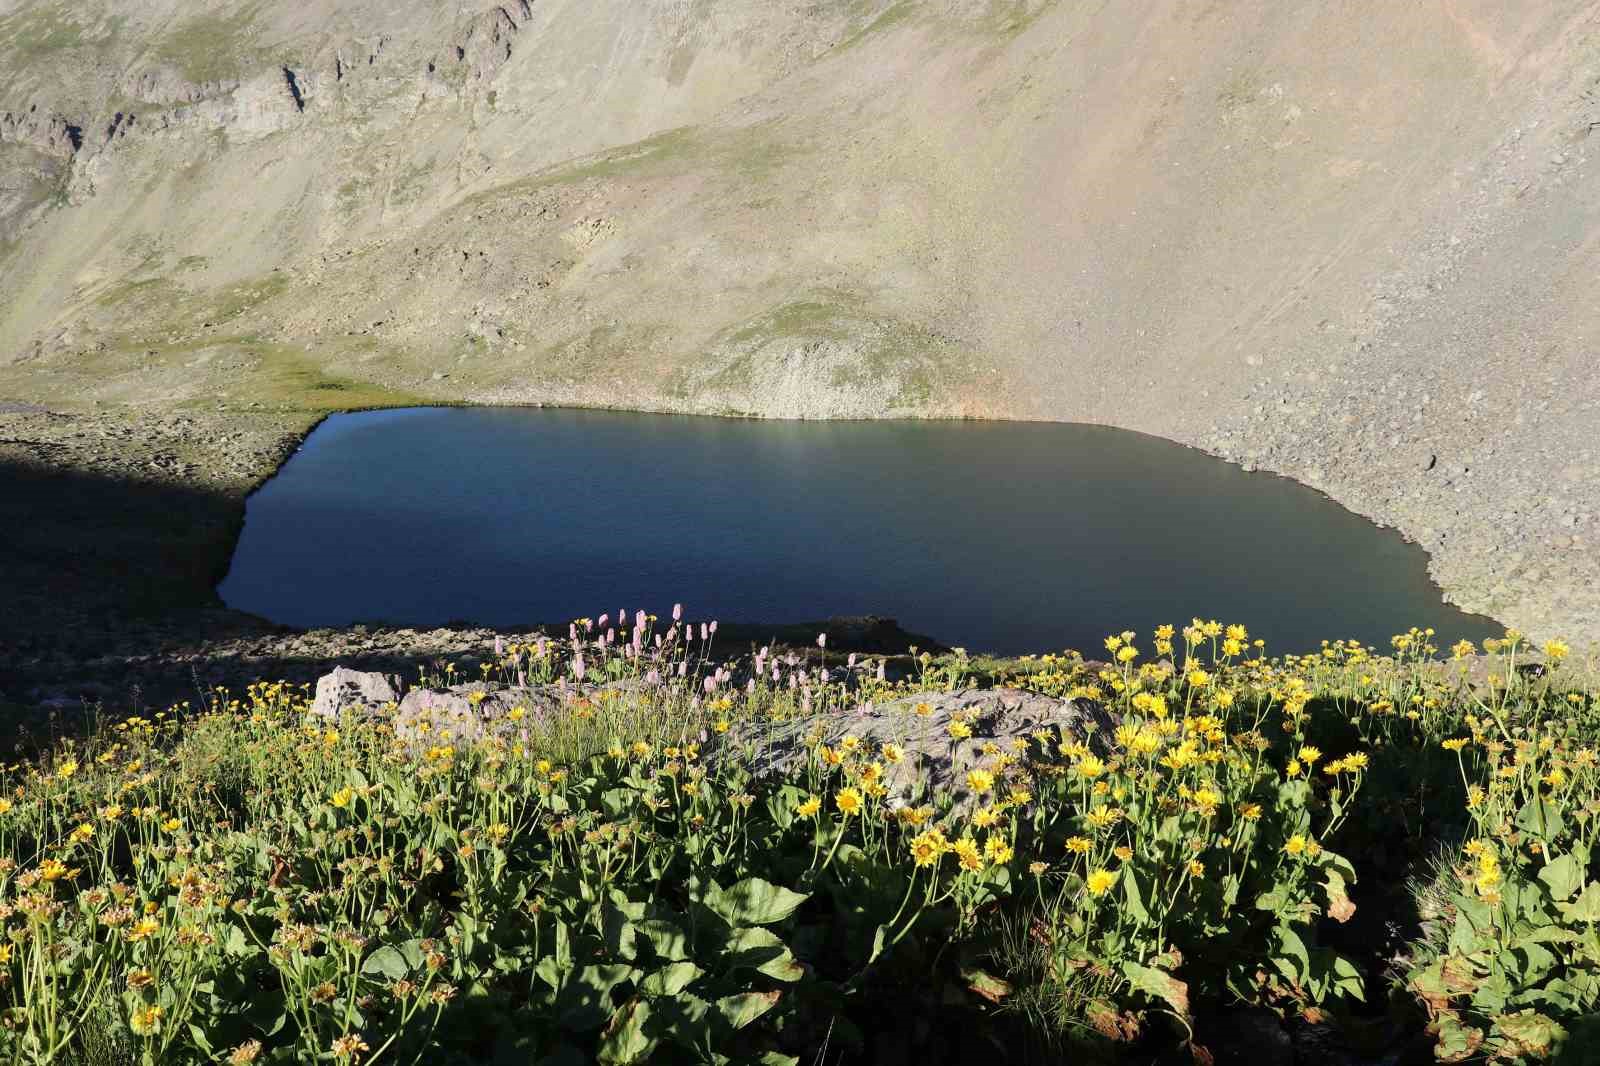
1355,243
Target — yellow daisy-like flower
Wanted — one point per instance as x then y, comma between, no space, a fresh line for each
1454,744
342,797
1079,845
809,807
922,710
848,801
893,753
958,729
1296,845
1309,754
1099,882
986,817
998,850
1089,766
1197,868
146,1020
980,780
967,855
927,847
1556,650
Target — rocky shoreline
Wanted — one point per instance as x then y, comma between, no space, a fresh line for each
122,520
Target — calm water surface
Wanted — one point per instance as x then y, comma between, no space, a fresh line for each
1008,537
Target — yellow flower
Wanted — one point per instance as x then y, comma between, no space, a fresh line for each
67,769
1197,868
1454,744
5,806
146,1020
1310,754
1238,632
516,714
980,780
1090,766
958,729
998,850
1293,769
342,797
1127,653
82,834
1556,650
927,847
1123,853
967,854
893,753
1296,845
1101,817
809,808
55,870
922,710
1099,882
850,742
172,825
143,928
1079,845
1355,761
986,817
848,801
1250,811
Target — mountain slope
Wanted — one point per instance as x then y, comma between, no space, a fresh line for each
1352,243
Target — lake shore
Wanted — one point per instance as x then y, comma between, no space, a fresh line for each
124,518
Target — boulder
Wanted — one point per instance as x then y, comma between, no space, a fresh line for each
361,690
464,713
933,762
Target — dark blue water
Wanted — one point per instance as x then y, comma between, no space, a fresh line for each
1007,537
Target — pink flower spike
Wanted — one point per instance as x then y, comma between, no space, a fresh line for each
677,612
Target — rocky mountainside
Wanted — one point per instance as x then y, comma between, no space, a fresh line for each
1355,244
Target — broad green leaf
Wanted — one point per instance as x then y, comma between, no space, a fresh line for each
1158,984
585,1000
1531,1032
1564,876
625,1040
762,951
985,984
755,902
740,1010
1541,818
387,961
1586,908
670,979
667,940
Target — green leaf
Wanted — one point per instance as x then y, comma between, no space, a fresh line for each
1586,908
1132,898
667,940
585,1000
1158,984
1564,876
762,951
670,979
755,902
740,1010
1541,818
625,1039
388,962
985,984
1531,1032
618,932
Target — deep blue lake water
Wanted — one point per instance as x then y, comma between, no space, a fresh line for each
1006,537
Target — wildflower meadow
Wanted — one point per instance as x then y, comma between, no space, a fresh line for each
621,871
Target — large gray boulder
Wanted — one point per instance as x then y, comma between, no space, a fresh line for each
933,761
358,690
464,713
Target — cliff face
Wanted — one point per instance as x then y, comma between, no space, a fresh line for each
1354,245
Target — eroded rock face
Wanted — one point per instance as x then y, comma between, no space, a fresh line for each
933,761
